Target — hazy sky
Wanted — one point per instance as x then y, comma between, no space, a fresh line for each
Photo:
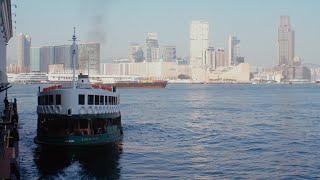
116,23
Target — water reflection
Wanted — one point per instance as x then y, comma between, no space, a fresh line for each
100,162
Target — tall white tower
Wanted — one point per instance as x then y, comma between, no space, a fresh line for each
199,43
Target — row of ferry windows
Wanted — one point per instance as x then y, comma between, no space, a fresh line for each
48,100
98,100
92,100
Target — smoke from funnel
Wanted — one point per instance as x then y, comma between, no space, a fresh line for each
98,31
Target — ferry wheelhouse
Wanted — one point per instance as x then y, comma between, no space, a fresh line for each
78,114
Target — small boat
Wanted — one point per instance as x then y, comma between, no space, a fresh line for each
78,114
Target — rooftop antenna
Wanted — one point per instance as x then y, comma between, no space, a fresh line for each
74,38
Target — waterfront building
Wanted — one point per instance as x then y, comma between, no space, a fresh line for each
152,70
285,42
233,50
23,52
297,61
220,58
13,68
151,51
42,57
35,59
199,42
136,53
89,58
63,55
230,74
168,53
46,57
297,73
209,59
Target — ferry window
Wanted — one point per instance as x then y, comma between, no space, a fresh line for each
58,99
81,99
39,100
90,99
115,100
101,100
96,99
50,99
110,100
46,100
106,100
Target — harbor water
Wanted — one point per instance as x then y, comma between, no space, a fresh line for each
190,131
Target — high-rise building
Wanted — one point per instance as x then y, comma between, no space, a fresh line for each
285,42
63,55
136,53
233,50
46,57
199,41
209,59
89,58
152,47
220,58
35,59
168,53
23,52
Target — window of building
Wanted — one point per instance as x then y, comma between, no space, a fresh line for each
58,99
50,99
101,100
96,99
90,99
81,99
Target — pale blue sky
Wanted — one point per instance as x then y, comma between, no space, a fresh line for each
116,23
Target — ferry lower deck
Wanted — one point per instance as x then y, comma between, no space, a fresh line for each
63,130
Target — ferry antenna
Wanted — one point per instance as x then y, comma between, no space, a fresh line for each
74,38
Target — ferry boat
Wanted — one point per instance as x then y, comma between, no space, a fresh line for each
78,114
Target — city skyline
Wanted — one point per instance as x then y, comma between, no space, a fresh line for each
254,22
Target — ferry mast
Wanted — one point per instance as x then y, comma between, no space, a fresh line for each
74,38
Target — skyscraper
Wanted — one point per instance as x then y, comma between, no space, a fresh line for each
152,47
199,41
35,59
220,58
89,58
136,53
233,50
63,55
168,53
46,57
23,52
285,42
209,60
